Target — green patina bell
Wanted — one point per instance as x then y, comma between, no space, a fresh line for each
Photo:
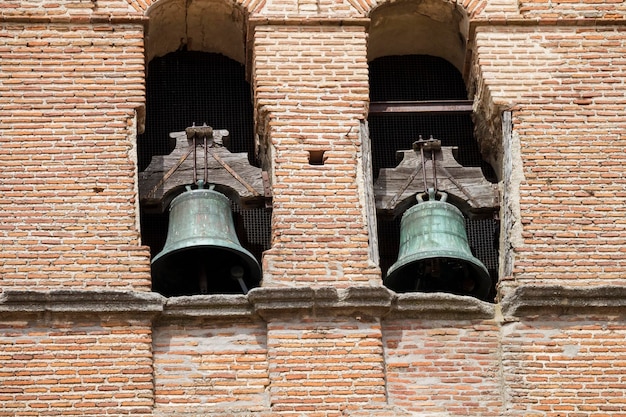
202,253
434,252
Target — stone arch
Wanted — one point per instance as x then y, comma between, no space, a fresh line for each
217,26
428,27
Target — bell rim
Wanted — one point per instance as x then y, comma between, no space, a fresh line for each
405,261
252,262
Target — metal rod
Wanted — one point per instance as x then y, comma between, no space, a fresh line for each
424,168
203,282
206,162
195,170
432,153
236,273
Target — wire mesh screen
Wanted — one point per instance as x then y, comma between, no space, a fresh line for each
414,77
421,78
390,133
183,88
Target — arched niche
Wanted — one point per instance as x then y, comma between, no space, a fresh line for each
428,27
196,25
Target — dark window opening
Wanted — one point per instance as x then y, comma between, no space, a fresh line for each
183,88
419,78
187,88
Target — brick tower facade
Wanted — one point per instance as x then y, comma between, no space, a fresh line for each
83,334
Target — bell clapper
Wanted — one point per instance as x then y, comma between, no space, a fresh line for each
203,282
236,273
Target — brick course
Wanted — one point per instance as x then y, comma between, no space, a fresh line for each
440,365
311,86
204,366
564,366
323,367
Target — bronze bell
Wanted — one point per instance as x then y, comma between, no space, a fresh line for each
434,253
202,253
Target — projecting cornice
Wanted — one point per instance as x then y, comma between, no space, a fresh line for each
284,303
270,303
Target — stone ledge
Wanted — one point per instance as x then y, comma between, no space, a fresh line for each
207,306
273,302
110,18
440,306
80,301
534,300
369,301
265,303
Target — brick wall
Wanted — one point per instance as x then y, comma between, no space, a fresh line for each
335,342
325,366
311,88
560,9
443,366
68,94
75,366
566,89
202,366
564,365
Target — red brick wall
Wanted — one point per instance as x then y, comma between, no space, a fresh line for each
208,366
71,79
75,366
68,94
566,89
441,366
547,9
325,366
565,366
311,88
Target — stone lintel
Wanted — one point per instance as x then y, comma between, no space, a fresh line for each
542,300
269,303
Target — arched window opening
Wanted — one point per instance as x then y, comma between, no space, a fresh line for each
187,88
423,95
